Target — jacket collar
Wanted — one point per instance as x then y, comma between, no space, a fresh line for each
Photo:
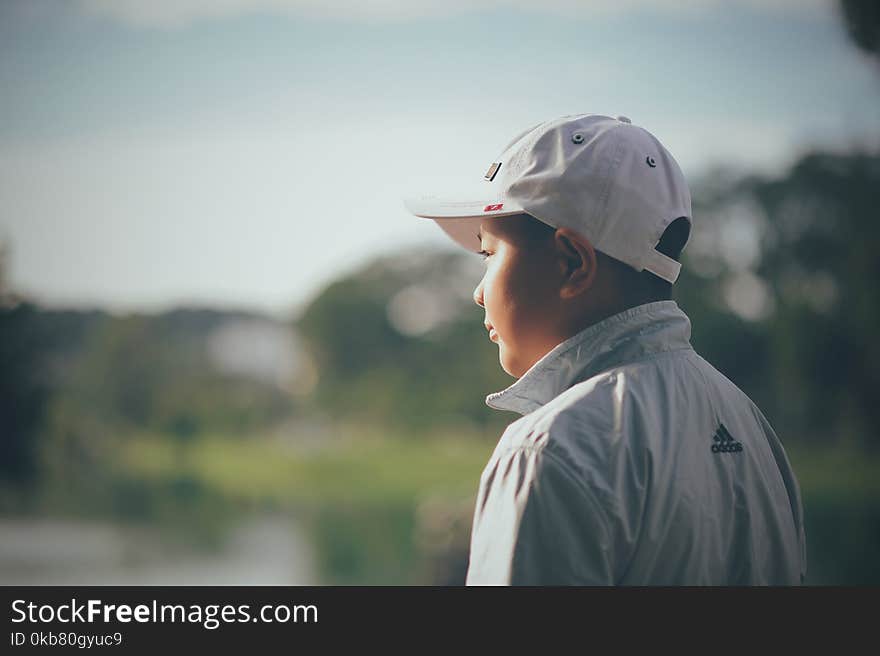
625,337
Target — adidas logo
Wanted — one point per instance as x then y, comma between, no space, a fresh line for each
724,442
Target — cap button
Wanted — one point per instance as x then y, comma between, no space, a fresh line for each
624,119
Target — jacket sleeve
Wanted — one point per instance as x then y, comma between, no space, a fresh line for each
536,524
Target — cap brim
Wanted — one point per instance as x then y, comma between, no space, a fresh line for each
461,219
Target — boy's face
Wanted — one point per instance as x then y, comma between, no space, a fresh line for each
520,290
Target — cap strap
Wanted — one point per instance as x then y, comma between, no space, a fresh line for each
663,266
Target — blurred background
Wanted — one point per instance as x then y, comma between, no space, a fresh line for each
229,355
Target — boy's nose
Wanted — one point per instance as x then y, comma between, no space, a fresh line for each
478,295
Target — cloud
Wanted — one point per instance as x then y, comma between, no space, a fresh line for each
181,13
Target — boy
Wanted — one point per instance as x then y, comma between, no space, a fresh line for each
635,462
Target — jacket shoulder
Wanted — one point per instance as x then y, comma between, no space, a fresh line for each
613,418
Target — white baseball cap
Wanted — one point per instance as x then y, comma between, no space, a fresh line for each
605,178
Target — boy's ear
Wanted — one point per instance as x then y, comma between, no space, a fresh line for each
577,262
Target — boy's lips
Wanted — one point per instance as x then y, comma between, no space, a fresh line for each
493,336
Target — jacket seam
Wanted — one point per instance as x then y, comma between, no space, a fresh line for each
644,358
572,475
543,450
593,499
706,383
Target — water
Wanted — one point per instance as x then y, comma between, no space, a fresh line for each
263,550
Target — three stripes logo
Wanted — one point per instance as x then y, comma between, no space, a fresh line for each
724,442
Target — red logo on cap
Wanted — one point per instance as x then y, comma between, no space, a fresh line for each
493,208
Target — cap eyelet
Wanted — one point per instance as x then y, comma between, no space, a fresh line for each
577,138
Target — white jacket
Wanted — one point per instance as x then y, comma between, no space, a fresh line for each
636,463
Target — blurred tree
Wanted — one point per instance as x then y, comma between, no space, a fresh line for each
23,391
402,343
155,373
821,254
778,281
72,383
862,21
798,336
5,291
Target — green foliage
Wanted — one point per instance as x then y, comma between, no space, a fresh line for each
777,279
118,416
154,373
378,506
862,20
23,392
822,261
809,358
392,510
370,370
365,546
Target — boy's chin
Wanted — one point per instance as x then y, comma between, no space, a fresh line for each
510,363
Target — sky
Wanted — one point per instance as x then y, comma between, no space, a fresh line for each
245,153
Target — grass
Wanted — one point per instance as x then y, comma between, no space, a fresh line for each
358,465
364,495
366,469
368,498
835,472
